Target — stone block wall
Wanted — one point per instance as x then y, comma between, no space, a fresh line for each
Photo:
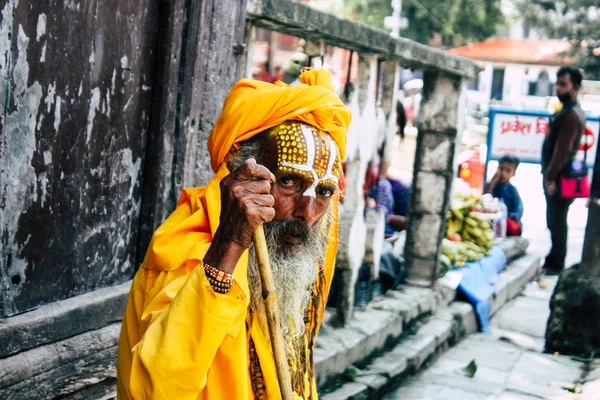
440,131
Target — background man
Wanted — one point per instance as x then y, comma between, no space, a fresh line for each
195,325
558,151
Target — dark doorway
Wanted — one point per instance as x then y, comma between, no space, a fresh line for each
497,84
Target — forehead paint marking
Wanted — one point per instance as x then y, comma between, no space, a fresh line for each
310,159
332,158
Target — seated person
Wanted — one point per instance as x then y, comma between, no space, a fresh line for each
391,195
501,188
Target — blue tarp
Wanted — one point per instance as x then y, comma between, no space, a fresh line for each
478,281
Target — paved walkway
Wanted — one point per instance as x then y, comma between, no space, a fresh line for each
509,364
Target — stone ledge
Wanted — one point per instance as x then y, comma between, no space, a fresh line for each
407,357
513,247
303,21
513,280
353,391
445,327
370,329
62,319
62,368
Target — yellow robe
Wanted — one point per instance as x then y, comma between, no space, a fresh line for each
182,340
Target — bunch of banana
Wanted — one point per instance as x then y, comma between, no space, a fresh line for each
462,258
457,214
475,252
456,252
454,223
450,250
479,232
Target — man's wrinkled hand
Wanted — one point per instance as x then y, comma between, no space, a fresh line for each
246,202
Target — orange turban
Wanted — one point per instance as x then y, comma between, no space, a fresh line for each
254,106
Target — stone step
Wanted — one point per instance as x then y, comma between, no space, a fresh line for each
443,326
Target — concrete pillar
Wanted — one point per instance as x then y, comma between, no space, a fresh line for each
375,225
441,122
250,41
389,96
360,149
386,129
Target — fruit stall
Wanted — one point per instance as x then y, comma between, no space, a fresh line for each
470,259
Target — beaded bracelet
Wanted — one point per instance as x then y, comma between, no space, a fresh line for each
219,287
217,274
219,280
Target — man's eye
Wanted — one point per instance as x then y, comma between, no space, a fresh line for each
287,181
325,192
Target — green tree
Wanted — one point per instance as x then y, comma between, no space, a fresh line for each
456,22
575,20
371,12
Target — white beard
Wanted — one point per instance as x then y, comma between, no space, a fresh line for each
294,274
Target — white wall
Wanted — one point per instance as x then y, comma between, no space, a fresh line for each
516,84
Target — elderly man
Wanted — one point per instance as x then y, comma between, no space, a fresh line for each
195,325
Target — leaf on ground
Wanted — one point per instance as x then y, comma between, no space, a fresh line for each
352,372
469,370
575,388
586,361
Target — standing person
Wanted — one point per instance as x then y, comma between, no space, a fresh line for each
276,73
400,119
558,151
265,75
195,326
501,188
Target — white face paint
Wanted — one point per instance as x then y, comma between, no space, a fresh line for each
308,166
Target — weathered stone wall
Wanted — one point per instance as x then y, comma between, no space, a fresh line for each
106,109
105,119
76,83
200,49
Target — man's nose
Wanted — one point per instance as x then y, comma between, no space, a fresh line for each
306,209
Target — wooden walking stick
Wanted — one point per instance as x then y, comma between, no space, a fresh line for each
270,299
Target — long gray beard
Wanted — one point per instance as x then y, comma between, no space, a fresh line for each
294,273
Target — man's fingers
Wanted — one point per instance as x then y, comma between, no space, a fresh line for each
265,200
244,188
250,170
260,213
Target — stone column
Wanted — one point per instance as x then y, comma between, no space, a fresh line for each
389,96
441,122
360,149
248,51
386,129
